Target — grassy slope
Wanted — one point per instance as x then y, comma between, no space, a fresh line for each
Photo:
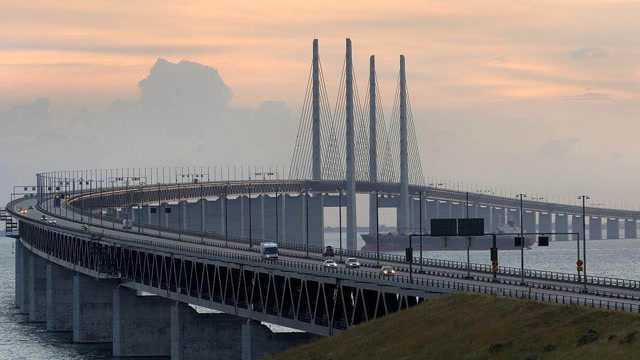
466,327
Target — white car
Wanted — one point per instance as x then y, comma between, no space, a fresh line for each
352,263
387,270
330,263
51,222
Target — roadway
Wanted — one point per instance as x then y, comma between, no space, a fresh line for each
193,246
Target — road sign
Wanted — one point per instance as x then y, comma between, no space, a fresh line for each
444,227
408,254
517,241
543,241
471,227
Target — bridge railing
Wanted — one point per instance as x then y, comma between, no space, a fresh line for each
544,275
448,264
404,281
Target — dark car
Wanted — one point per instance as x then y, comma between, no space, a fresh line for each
328,252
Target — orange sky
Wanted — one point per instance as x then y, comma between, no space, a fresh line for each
564,71
459,52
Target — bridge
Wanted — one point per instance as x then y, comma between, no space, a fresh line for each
135,255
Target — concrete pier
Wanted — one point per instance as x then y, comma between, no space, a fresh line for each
59,298
562,226
37,289
203,336
613,228
595,228
259,341
630,229
141,324
19,273
92,309
544,222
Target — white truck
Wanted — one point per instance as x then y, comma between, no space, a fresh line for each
269,250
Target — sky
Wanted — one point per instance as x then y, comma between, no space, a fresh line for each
539,97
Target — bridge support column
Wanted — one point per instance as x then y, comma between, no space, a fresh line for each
37,289
203,224
223,225
282,218
141,324
164,216
203,336
562,226
183,215
25,279
91,309
595,228
258,341
630,229
263,232
19,273
544,222
529,221
613,228
59,298
316,220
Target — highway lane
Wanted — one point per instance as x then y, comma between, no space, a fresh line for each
433,274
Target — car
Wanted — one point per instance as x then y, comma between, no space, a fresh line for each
330,263
85,228
328,252
352,263
43,218
51,222
387,270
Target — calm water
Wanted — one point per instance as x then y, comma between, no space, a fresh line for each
22,340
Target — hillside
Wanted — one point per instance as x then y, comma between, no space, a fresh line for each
482,327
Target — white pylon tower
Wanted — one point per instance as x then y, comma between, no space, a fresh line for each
352,234
373,145
403,211
315,114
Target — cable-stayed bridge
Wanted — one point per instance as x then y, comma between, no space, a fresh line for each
116,254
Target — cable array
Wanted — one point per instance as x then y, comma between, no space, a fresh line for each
333,136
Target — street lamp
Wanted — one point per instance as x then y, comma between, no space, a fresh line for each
584,238
340,219
521,196
377,229
466,205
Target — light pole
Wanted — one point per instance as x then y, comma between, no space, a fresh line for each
421,204
584,237
277,225
466,205
306,222
377,229
340,220
250,233
521,196
226,222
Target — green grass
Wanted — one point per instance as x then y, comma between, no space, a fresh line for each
483,327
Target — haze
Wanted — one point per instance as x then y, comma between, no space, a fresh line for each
538,97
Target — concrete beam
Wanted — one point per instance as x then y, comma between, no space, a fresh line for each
59,298
141,324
